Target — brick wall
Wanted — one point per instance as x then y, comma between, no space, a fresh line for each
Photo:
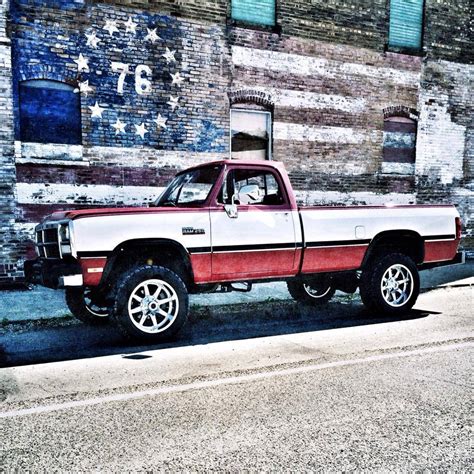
10,248
444,164
323,71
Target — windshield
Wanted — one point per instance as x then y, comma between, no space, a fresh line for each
190,188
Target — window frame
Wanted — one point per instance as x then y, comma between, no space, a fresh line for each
269,130
285,205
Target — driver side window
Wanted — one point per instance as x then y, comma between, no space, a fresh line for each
266,190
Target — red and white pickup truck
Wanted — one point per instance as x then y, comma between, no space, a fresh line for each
224,225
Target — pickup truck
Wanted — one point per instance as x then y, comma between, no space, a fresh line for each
223,226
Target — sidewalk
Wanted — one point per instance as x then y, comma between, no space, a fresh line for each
43,303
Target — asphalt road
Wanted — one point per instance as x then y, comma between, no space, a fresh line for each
266,387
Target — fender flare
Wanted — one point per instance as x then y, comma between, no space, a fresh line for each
118,251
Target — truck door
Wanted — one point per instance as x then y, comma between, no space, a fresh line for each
260,241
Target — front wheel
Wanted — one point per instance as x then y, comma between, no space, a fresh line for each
391,284
313,292
151,303
86,306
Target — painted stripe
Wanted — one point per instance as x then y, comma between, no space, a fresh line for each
238,379
333,258
390,167
306,133
276,246
398,155
243,248
367,198
93,254
439,237
41,193
311,66
403,127
92,175
309,100
134,157
338,243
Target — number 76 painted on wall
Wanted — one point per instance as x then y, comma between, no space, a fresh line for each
142,77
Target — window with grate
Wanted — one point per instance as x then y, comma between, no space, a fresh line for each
50,112
257,12
406,24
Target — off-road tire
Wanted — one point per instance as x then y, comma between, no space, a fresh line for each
376,274
131,283
88,313
301,292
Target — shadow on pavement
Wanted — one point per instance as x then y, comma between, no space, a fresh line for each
206,325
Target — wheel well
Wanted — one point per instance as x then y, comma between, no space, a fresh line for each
406,242
167,253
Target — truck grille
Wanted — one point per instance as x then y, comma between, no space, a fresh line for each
47,242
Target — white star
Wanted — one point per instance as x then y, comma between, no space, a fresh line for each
111,27
119,127
130,26
152,36
173,102
169,55
92,39
177,79
141,130
82,63
160,121
96,110
84,88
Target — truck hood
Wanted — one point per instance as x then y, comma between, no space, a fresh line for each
83,213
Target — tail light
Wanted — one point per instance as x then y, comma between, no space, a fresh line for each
458,228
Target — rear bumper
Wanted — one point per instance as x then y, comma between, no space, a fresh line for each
53,273
459,259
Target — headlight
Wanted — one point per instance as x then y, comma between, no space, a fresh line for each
64,233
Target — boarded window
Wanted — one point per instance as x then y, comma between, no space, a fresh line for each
259,12
406,19
399,141
50,112
251,134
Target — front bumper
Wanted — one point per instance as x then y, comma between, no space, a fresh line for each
53,273
459,259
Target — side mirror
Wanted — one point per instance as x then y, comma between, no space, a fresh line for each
231,210
249,194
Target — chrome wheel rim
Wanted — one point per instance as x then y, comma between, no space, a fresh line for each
94,309
316,292
153,306
397,285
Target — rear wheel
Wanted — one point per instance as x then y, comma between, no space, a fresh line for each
86,306
391,284
312,292
151,303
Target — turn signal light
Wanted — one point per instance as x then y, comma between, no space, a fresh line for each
458,228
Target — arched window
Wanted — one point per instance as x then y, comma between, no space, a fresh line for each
251,132
399,144
50,112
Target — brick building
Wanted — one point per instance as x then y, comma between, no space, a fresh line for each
101,102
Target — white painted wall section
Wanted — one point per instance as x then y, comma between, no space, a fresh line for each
39,193
311,66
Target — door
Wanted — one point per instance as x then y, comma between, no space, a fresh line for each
260,241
